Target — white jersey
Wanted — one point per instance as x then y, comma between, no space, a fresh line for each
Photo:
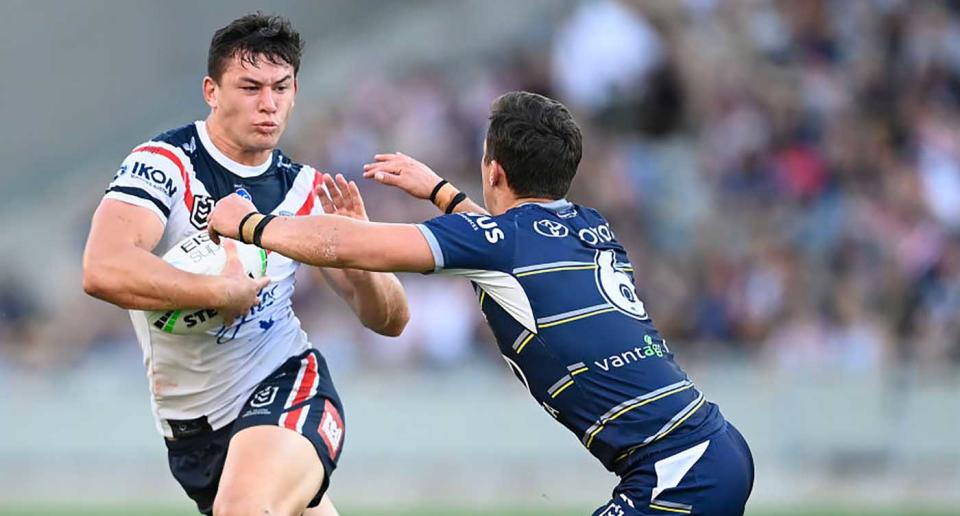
179,176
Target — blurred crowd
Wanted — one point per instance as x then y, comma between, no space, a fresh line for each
785,176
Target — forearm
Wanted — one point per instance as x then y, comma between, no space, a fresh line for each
377,298
340,242
136,279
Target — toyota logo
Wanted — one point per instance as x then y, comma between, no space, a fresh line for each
549,228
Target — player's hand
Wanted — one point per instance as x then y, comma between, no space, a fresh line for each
341,197
404,172
225,218
241,293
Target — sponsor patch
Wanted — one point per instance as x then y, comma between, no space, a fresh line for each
550,228
331,429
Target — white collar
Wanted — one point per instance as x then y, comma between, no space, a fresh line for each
237,168
550,205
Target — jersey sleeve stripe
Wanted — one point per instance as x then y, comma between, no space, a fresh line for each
154,149
434,246
141,194
308,202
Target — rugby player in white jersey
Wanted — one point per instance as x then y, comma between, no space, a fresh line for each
249,414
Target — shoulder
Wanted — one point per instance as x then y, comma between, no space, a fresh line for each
290,168
171,150
184,136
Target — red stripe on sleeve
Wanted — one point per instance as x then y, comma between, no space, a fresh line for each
187,194
308,203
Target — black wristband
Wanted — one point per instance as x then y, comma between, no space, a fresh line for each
258,231
436,190
242,222
457,199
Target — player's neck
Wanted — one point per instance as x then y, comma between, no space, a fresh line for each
231,149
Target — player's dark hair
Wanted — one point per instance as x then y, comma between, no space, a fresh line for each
252,37
536,141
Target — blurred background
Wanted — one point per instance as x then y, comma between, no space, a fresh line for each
785,175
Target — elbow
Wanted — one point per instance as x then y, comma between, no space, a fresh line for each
97,283
394,324
94,283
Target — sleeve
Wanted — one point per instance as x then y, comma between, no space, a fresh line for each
470,241
148,178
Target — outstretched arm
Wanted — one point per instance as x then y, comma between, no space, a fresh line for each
326,240
418,180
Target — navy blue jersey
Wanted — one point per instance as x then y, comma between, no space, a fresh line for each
558,291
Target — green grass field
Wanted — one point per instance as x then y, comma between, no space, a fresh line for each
413,511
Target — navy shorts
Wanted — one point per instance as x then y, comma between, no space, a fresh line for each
713,477
299,395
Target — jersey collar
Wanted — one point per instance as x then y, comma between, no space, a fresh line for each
552,205
237,168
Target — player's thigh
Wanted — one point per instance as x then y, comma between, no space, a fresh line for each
325,508
268,468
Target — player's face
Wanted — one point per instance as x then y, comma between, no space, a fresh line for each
253,102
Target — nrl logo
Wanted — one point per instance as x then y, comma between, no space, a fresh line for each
549,228
264,396
202,206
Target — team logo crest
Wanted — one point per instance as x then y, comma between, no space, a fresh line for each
202,206
264,396
549,228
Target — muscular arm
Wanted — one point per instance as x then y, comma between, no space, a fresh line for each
118,266
334,241
377,298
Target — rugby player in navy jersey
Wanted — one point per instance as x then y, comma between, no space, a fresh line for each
249,413
557,289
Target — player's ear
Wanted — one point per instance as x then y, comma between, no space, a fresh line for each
497,175
210,92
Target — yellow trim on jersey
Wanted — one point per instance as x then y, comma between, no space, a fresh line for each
558,269
680,422
561,389
578,371
669,509
524,343
577,317
483,296
638,405
671,429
